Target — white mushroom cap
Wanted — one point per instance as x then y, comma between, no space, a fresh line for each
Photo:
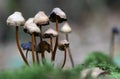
58,12
30,20
16,19
31,27
63,44
94,72
66,28
41,18
50,32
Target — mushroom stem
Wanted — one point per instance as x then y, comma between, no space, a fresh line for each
43,57
56,43
19,48
41,33
42,54
51,44
69,51
64,58
33,41
37,54
112,46
26,54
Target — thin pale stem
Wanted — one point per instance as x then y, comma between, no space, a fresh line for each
64,58
33,48
42,56
19,48
51,44
37,54
41,33
112,46
69,52
56,43
26,54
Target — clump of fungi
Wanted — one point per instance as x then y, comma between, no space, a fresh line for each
33,27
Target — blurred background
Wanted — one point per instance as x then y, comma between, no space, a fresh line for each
91,22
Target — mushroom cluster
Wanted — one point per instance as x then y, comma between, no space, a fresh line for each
33,27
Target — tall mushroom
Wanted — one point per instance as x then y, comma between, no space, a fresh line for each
67,29
32,29
41,19
58,16
63,45
115,31
16,20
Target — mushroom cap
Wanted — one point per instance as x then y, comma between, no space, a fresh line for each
50,33
27,46
16,19
57,12
94,72
43,46
63,44
66,28
31,27
41,18
115,30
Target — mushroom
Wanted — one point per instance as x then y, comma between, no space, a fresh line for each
41,19
62,46
115,31
42,47
93,72
27,46
50,33
67,29
32,29
58,16
16,20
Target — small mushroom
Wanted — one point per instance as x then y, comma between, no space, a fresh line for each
115,31
93,72
50,33
67,29
32,29
27,46
42,47
62,46
41,19
58,16
16,20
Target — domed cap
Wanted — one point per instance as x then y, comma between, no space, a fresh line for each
63,44
57,12
43,46
27,46
115,30
41,18
50,33
66,28
16,19
31,27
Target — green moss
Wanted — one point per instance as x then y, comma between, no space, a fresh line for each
47,71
